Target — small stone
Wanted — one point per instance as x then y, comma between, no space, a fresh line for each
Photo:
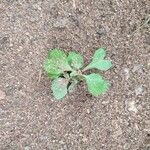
88,111
27,33
136,126
84,139
139,90
61,23
62,142
105,102
11,45
101,31
2,95
137,67
127,146
20,48
27,148
148,148
132,107
126,72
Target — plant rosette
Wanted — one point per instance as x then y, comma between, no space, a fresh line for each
67,70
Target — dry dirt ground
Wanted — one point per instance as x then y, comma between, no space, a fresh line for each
30,118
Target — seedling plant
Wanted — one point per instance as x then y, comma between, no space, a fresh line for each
67,70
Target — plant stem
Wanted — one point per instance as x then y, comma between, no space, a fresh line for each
85,69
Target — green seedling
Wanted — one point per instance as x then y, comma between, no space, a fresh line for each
67,70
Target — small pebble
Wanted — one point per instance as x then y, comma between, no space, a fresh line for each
88,111
126,72
101,31
137,67
11,45
148,148
61,23
139,90
132,107
2,95
84,139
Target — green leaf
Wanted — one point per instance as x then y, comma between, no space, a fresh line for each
96,85
99,54
53,76
56,63
98,61
56,53
100,64
59,87
75,60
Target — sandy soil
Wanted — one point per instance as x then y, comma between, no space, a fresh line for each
30,118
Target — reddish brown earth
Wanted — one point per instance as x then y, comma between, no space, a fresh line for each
30,118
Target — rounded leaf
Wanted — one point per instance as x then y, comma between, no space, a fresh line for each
59,87
56,62
56,53
99,54
98,61
96,85
75,60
